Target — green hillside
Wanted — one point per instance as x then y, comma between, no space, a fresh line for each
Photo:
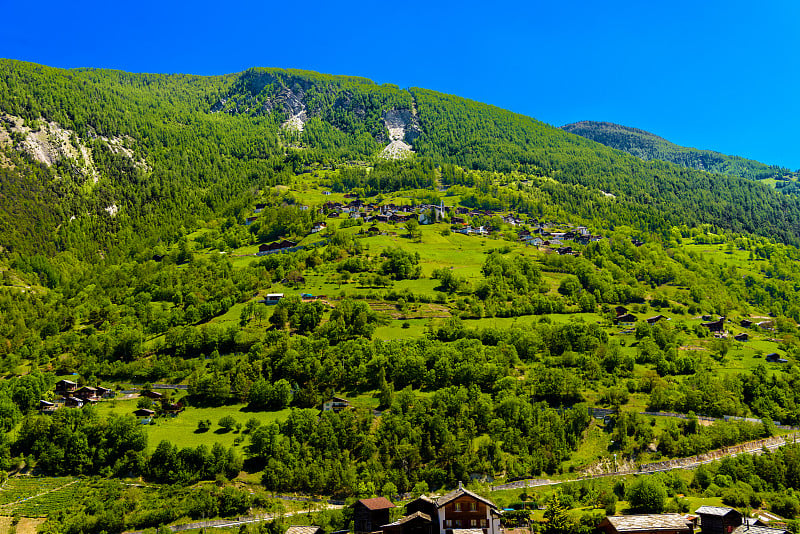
648,146
464,299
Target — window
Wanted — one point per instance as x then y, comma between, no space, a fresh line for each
483,522
458,523
448,523
458,507
473,506
473,522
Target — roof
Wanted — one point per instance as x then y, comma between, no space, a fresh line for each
376,503
647,522
719,511
453,495
411,517
302,529
467,530
757,529
66,382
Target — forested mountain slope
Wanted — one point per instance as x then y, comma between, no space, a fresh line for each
205,140
648,146
242,246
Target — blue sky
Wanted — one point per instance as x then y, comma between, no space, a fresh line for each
708,74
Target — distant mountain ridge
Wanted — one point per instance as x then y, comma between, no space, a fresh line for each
648,146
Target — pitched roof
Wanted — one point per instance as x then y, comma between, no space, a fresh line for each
441,501
376,503
467,531
406,519
647,522
302,529
719,511
758,529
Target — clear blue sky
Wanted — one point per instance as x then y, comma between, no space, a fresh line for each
709,74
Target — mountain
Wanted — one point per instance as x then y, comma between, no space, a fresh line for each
158,154
464,286
648,146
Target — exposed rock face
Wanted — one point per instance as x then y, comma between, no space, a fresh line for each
403,129
50,144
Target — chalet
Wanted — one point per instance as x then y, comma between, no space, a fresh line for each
259,208
370,514
65,387
73,402
564,250
373,230
158,257
637,242
273,298
458,220
766,325
774,357
318,227
302,529
646,524
620,310
627,318
716,326
250,220
87,393
144,412
335,404
754,526
718,519
151,395
741,337
105,393
333,215
413,523
746,323
461,510
46,406
655,319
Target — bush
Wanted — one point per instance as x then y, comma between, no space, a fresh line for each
227,423
647,495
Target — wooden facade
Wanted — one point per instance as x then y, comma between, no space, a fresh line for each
718,519
369,515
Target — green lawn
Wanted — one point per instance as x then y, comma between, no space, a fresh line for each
182,429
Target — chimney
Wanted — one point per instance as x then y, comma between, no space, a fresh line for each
460,485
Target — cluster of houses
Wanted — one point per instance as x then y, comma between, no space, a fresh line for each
458,512
464,512
70,395
624,316
708,519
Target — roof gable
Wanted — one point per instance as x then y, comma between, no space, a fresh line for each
376,503
460,492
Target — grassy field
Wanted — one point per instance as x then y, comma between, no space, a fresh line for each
182,429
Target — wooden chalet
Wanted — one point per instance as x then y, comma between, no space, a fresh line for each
413,523
741,337
151,395
461,511
273,298
655,319
646,524
302,529
715,326
46,406
87,393
753,526
627,318
370,514
774,357
746,323
65,387
73,402
718,519
335,404
144,413
620,310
